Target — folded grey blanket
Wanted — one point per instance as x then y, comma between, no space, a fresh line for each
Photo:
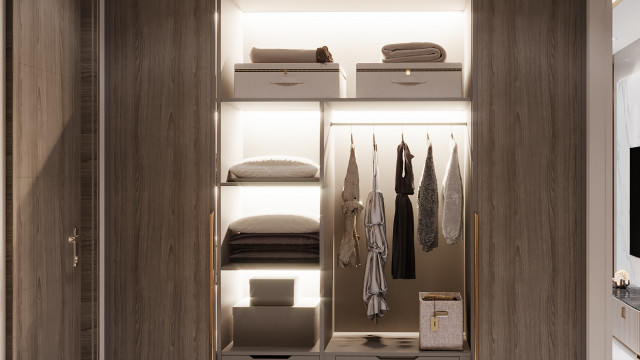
413,52
320,55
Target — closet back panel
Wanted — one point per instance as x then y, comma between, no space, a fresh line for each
442,269
529,101
158,177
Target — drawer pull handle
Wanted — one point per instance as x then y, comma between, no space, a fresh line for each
397,357
287,80
270,356
409,83
622,313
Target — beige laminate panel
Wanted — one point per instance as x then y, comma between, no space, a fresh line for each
629,327
529,113
618,311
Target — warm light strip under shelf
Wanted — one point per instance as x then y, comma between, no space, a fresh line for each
400,124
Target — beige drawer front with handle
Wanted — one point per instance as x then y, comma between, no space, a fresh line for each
626,323
409,80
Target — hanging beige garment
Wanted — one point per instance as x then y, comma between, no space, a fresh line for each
349,253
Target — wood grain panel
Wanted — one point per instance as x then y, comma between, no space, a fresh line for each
528,98
8,206
48,31
159,189
45,132
88,247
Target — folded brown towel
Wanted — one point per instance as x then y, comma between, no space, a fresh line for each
320,55
413,52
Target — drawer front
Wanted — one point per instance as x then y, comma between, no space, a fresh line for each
629,327
618,310
275,85
394,84
270,357
398,357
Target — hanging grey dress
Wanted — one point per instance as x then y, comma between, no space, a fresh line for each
428,205
452,199
349,253
403,259
375,284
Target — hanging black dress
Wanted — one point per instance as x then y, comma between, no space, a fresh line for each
403,264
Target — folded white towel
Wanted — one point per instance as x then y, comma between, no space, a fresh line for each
414,52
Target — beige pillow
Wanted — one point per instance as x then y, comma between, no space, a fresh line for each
276,223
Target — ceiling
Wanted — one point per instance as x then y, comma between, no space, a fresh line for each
626,24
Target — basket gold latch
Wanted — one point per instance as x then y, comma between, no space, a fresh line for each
434,319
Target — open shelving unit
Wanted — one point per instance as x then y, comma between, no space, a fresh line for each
319,129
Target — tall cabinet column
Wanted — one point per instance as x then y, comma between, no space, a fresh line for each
159,191
529,81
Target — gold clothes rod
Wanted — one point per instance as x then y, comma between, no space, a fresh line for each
458,123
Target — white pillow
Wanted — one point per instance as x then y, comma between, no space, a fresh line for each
276,223
275,167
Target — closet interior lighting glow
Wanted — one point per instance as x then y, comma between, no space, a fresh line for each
307,281
281,199
399,116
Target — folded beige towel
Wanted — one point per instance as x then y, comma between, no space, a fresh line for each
320,55
413,52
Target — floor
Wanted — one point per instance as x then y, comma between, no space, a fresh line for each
621,352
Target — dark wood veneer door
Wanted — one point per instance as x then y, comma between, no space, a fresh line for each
529,83
45,177
159,177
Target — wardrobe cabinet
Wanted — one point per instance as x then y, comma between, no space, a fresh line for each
321,130
626,325
174,128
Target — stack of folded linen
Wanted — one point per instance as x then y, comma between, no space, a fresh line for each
275,238
319,55
413,52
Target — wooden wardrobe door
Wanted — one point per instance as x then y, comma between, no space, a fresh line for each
159,177
43,127
529,103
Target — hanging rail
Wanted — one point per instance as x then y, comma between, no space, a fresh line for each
457,123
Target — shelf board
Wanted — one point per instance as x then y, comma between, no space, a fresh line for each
387,104
271,266
270,350
357,343
351,104
274,104
350,6
283,182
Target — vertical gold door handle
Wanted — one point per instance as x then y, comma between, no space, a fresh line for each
622,312
72,241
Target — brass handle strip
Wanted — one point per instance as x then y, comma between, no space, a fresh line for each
475,286
622,312
211,287
72,240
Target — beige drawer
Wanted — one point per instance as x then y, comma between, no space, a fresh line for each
270,357
397,357
413,80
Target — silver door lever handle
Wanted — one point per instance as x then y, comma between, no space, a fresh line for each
72,240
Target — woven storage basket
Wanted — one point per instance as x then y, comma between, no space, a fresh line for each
448,335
